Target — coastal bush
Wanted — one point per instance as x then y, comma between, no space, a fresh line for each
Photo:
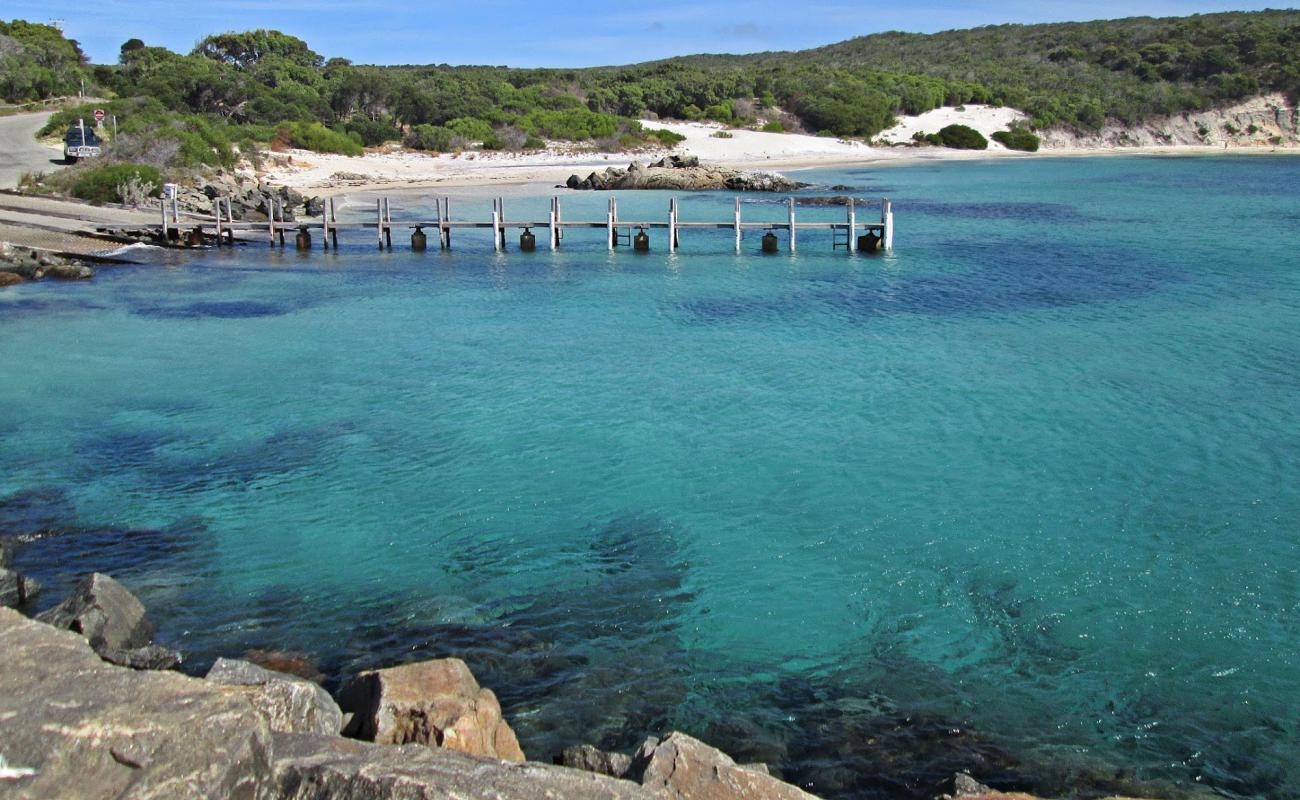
100,184
316,137
665,137
1017,139
373,132
962,137
430,137
774,126
721,135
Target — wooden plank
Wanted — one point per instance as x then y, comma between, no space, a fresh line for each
792,226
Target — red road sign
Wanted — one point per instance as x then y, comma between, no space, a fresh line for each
99,115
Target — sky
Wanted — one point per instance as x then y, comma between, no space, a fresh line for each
577,33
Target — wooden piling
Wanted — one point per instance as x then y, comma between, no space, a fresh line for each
792,228
737,224
609,225
887,220
552,230
216,213
853,227
672,224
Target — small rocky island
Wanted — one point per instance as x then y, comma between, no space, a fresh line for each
684,173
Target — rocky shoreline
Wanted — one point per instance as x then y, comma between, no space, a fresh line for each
22,264
82,716
683,173
92,707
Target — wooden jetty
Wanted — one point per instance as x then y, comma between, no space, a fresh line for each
852,234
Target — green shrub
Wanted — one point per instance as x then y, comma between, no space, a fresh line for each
99,184
430,137
373,132
963,137
316,137
471,129
666,137
774,126
721,135
1017,139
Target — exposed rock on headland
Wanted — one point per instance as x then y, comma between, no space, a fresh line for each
684,173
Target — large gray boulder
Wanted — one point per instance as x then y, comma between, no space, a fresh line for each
113,621
679,767
311,767
90,730
102,610
434,703
289,704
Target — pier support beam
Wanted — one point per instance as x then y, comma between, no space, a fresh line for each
737,224
672,225
496,230
792,234
887,220
853,228
611,213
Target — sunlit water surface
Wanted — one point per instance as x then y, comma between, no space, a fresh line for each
1020,497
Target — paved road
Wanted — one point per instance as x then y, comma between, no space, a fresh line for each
19,150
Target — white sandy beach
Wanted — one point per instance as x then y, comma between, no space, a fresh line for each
393,168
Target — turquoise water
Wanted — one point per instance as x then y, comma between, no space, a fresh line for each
1019,497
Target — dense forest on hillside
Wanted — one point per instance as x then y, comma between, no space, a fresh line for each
188,109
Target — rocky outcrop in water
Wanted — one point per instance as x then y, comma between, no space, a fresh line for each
288,704
18,264
113,621
435,703
683,173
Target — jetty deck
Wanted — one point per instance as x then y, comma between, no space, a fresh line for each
852,234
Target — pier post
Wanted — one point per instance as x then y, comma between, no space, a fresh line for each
325,225
388,224
887,219
230,223
496,228
281,224
216,212
609,224
672,225
792,245
552,230
176,210
162,206
446,218
270,219
379,221
334,225
559,223
737,224
437,205
501,211
853,228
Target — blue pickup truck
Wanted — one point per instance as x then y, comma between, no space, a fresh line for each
80,142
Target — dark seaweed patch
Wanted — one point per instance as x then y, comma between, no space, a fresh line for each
232,309
1014,277
36,510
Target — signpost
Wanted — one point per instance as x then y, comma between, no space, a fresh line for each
99,117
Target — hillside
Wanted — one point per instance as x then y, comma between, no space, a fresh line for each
184,110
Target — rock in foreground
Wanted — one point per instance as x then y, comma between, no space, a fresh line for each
434,703
113,621
289,704
330,768
684,174
93,730
680,767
